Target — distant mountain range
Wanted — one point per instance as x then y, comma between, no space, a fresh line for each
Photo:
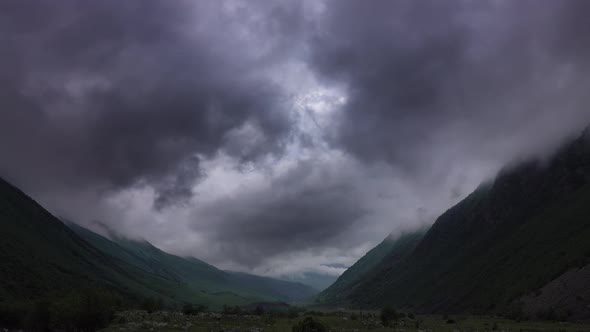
316,280
41,256
518,245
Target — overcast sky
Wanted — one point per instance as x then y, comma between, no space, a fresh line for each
280,137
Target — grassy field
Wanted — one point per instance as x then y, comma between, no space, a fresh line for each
333,321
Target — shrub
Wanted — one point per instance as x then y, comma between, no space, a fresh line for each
293,313
229,310
309,325
259,310
389,316
189,309
151,304
269,320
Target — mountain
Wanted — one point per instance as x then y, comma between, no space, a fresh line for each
505,248
391,247
194,273
42,257
315,280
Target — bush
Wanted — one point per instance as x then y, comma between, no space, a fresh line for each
229,310
189,309
269,320
259,310
293,313
389,316
309,325
151,304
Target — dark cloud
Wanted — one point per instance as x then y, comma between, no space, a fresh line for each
424,75
114,94
308,207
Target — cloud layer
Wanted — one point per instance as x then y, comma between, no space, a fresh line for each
280,137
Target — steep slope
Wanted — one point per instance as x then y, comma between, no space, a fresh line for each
42,257
228,287
507,239
394,248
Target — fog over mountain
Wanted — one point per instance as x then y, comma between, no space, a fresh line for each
280,137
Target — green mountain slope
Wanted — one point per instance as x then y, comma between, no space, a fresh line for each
197,275
395,248
507,239
41,257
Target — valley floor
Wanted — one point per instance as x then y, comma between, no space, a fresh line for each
333,321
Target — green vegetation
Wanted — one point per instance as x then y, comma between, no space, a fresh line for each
52,276
335,321
390,316
41,257
309,325
393,248
207,285
514,248
189,309
80,310
506,240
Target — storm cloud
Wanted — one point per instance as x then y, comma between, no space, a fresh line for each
480,76
281,137
111,95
